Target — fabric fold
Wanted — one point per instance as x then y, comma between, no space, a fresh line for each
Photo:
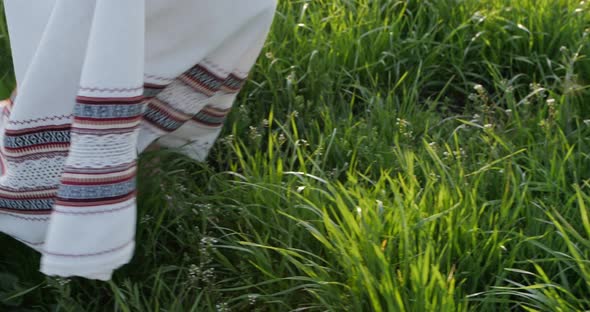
97,186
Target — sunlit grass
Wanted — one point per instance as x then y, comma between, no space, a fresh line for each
385,156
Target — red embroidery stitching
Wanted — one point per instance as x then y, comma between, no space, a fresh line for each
30,121
161,78
94,254
110,90
83,213
34,219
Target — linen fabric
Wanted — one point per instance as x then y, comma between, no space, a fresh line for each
98,81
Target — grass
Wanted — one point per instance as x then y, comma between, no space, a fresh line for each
385,156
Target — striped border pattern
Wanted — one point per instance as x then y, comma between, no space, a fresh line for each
202,79
45,140
211,116
89,186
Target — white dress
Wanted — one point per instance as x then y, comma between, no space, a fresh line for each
98,81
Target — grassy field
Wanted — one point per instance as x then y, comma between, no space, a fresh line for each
385,156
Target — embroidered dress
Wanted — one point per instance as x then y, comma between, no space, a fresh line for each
98,81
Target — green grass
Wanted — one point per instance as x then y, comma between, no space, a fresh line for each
385,156
6,80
